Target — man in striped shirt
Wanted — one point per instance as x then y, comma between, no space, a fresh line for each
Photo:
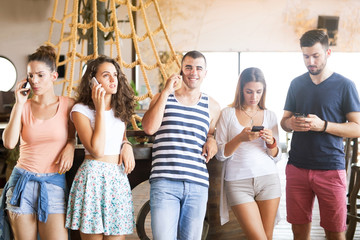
183,120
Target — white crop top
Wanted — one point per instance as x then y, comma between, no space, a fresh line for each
114,128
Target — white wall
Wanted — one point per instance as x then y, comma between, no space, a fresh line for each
211,25
256,25
24,27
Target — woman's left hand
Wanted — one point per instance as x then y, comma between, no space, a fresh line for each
66,158
127,157
267,136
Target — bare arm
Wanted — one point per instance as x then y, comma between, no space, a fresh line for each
286,122
210,147
93,140
245,136
350,129
152,119
11,133
268,135
66,157
127,155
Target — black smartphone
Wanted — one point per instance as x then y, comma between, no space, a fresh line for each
257,128
299,115
26,85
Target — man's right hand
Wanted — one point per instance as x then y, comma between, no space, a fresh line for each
172,83
300,124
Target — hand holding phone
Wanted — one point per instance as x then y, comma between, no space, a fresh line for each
299,115
257,128
179,82
27,86
93,83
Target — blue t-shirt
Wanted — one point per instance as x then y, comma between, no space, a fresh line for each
330,100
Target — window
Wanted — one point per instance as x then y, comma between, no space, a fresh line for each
279,69
8,74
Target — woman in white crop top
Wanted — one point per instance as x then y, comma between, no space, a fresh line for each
100,201
250,182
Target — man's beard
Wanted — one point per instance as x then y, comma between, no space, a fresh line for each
318,70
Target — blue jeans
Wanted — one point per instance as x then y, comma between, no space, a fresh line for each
177,209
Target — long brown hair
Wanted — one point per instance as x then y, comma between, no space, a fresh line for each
122,102
249,75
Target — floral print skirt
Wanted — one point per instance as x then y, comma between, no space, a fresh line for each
100,200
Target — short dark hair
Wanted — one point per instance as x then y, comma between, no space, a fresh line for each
194,54
310,38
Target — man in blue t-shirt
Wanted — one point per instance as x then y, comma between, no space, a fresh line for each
322,107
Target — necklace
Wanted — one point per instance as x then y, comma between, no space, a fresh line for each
251,117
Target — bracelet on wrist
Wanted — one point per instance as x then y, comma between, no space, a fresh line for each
210,136
326,124
271,146
125,142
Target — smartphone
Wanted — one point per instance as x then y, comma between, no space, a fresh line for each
94,82
257,128
26,85
178,85
299,115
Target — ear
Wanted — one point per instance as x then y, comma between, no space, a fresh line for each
54,76
328,52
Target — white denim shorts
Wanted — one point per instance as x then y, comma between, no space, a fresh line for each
253,189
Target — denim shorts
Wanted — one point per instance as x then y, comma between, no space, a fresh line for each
30,195
253,189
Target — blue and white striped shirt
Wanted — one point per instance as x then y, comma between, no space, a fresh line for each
178,144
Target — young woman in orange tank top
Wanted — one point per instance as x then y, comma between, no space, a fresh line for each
35,193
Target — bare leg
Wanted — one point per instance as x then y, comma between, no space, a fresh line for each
268,210
117,237
85,236
54,228
301,231
249,218
335,235
23,226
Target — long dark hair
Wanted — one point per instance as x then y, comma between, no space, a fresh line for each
249,75
122,102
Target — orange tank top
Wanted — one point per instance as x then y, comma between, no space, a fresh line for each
42,141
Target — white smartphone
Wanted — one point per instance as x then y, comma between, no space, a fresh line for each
94,82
